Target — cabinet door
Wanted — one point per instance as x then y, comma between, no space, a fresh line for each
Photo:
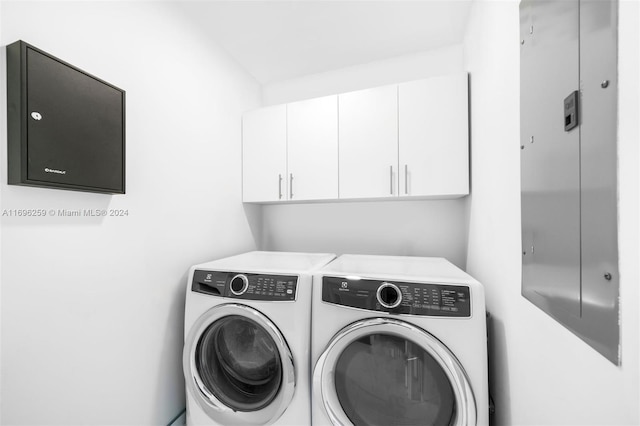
312,149
368,139
264,154
434,137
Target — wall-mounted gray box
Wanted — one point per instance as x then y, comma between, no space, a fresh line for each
65,127
568,72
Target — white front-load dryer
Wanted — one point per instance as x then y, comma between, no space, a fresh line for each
398,341
246,350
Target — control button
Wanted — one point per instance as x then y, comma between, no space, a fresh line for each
239,284
389,295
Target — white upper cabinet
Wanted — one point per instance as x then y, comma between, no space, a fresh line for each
264,154
312,149
404,140
434,137
368,140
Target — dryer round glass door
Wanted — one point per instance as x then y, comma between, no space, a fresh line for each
388,372
238,366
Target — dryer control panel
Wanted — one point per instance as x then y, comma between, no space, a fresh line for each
239,285
398,297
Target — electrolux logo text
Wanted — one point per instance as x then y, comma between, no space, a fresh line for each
60,172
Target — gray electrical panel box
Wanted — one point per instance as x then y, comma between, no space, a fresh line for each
568,119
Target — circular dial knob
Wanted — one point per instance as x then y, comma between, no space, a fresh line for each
389,295
239,284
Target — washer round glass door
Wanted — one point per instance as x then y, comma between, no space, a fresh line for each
388,372
238,366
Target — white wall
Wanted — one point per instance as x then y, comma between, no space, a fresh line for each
542,373
3,113
419,228
92,309
379,73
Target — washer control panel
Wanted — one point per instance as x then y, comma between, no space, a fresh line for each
427,299
246,286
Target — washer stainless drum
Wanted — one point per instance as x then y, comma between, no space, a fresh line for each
398,341
246,351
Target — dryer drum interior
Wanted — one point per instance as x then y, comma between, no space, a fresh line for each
388,372
238,366
386,379
239,363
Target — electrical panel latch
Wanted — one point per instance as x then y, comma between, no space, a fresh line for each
571,111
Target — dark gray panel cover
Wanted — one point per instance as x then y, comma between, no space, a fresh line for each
66,127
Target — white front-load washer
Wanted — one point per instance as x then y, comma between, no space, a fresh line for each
398,341
246,350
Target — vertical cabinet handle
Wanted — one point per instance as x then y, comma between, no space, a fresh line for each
406,179
290,186
391,180
279,187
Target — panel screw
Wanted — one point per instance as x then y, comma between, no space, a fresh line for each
604,84
607,276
